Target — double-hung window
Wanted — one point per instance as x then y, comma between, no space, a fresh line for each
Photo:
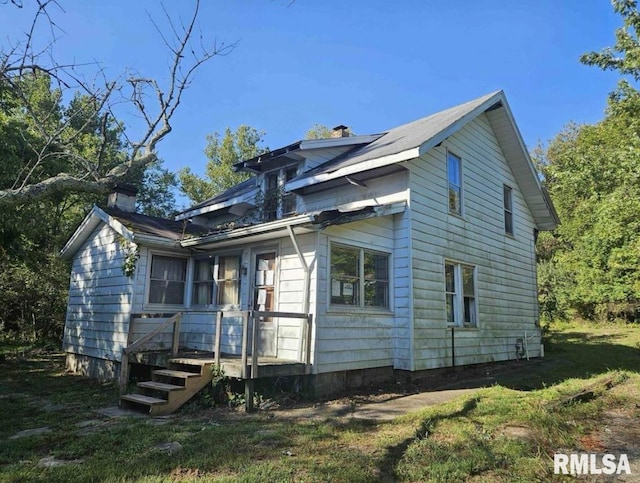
167,280
359,277
460,294
216,281
507,195
454,175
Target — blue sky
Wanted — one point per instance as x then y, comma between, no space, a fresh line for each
370,64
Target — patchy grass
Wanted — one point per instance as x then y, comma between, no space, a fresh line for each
501,433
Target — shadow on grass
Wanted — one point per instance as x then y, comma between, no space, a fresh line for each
388,465
572,355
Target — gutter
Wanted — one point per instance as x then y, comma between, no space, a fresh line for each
249,230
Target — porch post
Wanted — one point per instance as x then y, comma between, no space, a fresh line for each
216,346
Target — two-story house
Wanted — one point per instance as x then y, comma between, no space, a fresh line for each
411,249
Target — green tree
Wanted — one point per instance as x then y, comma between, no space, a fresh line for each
318,131
592,262
222,152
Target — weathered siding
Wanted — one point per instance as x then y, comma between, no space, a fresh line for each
290,292
100,298
505,266
348,338
379,191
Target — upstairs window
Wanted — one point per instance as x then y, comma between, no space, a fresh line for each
508,209
359,277
454,175
216,281
277,203
460,295
167,280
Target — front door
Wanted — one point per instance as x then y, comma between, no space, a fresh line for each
264,301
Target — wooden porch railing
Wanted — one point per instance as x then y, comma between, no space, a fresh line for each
250,372
250,319
142,342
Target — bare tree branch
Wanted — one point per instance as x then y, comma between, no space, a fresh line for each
155,105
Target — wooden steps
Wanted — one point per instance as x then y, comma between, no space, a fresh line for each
169,388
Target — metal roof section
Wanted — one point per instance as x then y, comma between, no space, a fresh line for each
398,144
241,193
294,151
305,223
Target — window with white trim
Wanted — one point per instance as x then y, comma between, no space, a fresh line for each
454,176
167,280
507,196
359,277
216,281
460,295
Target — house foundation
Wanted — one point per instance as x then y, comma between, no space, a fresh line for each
102,370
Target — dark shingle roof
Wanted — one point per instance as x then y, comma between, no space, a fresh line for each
153,225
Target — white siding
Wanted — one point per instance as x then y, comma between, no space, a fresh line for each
290,292
506,287
348,338
97,322
379,191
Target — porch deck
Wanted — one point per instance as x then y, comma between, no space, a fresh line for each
231,364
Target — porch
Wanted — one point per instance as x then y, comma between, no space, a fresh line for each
189,370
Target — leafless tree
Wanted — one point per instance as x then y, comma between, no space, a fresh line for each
154,103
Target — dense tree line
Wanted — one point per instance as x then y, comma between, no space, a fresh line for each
591,264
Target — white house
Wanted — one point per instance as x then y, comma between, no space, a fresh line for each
411,249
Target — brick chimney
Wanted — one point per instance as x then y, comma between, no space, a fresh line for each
340,131
123,197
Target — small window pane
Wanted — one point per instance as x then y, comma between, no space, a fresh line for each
228,281
203,282
507,198
450,310
345,282
344,261
453,169
467,281
469,311
450,278
167,280
508,209
376,284
454,176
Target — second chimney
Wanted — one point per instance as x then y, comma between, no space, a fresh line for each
340,132
123,197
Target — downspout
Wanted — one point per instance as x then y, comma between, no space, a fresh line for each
305,268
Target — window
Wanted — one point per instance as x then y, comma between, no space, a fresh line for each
460,295
454,174
167,280
289,200
228,281
359,277
217,278
203,282
277,203
508,209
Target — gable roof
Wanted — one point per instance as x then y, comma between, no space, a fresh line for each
134,227
379,154
411,140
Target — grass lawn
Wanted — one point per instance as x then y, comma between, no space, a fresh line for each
508,432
